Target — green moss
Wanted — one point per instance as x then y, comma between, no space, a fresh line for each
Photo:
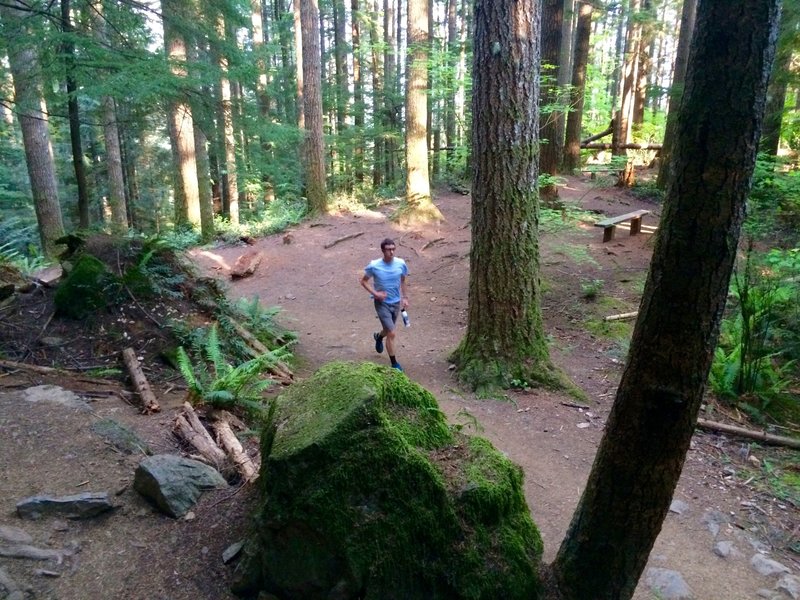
90,286
368,490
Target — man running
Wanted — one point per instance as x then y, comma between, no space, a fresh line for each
388,291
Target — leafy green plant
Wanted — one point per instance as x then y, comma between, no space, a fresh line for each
20,246
213,381
591,288
753,362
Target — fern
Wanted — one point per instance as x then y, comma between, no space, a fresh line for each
225,386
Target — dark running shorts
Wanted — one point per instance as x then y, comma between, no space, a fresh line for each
387,313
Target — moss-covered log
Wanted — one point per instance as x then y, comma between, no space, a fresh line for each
368,493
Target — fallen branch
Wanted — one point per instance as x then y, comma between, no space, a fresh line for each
281,372
602,134
10,364
33,553
343,239
431,243
621,316
189,428
149,402
233,448
607,146
762,436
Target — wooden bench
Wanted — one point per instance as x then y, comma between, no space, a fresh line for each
610,224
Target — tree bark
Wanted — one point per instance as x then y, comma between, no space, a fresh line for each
225,112
551,146
140,383
688,15
68,52
779,79
314,148
181,122
420,207
654,415
358,94
505,338
572,156
630,77
188,427
33,120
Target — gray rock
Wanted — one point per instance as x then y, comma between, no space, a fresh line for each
77,506
678,507
726,550
713,519
668,584
123,438
766,566
789,585
174,484
54,394
14,535
231,552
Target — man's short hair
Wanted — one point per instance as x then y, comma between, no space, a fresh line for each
387,242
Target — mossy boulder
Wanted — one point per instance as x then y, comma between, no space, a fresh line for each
88,287
368,493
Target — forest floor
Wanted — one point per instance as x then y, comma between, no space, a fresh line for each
136,553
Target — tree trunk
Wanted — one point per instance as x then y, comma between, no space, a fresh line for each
378,99
450,88
68,52
116,180
645,63
420,207
779,80
630,75
505,339
651,423
390,89
225,112
33,120
113,158
572,157
298,53
204,184
314,148
358,94
181,123
551,146
676,90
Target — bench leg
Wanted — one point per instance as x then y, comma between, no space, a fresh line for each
608,233
636,225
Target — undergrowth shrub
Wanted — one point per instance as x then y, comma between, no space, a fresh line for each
774,202
755,363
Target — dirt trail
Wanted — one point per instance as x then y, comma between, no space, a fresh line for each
554,443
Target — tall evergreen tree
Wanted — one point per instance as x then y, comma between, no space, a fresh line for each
33,118
653,418
419,205
505,339
314,148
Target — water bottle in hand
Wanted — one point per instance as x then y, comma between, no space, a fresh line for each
406,320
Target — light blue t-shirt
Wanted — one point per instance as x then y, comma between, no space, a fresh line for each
386,277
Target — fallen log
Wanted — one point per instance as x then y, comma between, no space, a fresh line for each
597,136
762,436
149,402
221,423
607,146
278,369
246,264
189,428
621,316
342,239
